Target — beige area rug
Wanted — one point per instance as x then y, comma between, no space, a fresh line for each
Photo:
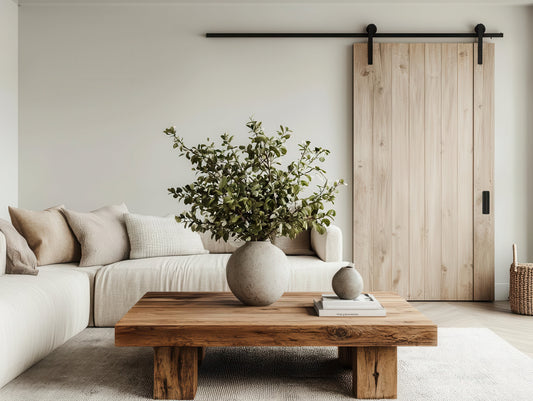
468,364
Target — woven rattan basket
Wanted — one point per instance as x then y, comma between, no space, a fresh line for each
521,286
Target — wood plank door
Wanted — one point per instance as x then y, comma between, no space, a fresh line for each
423,156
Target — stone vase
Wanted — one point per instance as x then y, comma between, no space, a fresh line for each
258,273
347,283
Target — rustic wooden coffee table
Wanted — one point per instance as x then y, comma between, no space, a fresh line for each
180,325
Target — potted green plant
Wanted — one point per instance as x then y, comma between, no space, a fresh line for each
244,192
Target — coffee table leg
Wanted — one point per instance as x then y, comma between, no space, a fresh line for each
175,373
201,354
374,372
345,357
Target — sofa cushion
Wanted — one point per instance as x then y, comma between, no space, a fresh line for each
300,245
3,251
19,258
220,246
48,235
328,246
101,233
37,315
120,285
152,236
90,272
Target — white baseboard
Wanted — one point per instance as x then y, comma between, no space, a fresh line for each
501,291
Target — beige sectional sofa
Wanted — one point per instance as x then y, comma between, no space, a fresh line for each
39,313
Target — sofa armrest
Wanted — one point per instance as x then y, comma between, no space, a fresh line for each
328,246
3,254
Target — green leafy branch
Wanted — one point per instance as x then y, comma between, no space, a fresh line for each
243,191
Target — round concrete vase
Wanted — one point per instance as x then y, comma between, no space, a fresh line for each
347,283
258,273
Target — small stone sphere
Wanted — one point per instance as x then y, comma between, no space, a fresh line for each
347,283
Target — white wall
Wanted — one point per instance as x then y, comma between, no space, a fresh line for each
8,106
100,82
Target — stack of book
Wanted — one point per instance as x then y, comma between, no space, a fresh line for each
363,305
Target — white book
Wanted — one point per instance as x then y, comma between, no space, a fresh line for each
347,312
363,301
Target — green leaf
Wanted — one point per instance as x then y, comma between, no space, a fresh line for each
245,192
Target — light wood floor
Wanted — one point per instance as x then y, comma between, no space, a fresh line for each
497,316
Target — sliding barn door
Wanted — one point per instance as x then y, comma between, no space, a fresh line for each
423,156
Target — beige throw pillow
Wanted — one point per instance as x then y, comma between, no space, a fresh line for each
19,257
101,233
47,234
220,246
152,236
301,245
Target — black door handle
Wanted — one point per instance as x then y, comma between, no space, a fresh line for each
486,202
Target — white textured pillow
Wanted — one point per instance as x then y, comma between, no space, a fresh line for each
152,236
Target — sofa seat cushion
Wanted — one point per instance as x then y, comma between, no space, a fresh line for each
120,285
38,314
89,271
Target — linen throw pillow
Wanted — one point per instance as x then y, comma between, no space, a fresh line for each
101,233
20,259
48,235
301,245
220,246
152,236
3,254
